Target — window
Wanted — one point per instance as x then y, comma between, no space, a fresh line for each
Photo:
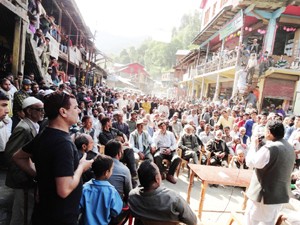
206,16
214,9
223,2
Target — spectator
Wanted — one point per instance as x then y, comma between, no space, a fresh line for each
109,133
19,97
218,149
120,125
100,201
225,119
188,143
165,144
23,184
120,177
57,168
176,126
252,63
153,202
132,122
238,161
84,144
141,142
282,63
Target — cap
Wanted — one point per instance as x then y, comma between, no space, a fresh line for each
26,82
30,101
140,122
47,92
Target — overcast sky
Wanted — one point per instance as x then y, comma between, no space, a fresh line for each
135,18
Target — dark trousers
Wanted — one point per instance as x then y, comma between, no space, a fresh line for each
173,157
129,159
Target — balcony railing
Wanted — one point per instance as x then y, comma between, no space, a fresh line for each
215,65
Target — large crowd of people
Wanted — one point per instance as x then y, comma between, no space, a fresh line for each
51,139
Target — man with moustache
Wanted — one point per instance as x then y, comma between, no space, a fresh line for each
56,168
17,179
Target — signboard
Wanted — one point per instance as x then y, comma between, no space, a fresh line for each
235,24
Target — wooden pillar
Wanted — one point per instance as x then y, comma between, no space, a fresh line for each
21,65
237,66
16,46
206,57
217,92
202,89
270,36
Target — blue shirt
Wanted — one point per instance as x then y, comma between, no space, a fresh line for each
248,125
99,202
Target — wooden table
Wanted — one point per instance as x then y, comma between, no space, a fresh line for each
216,175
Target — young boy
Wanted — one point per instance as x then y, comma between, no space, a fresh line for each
100,201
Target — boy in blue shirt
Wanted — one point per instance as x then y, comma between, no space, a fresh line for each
100,201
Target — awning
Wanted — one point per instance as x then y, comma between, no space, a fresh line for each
215,25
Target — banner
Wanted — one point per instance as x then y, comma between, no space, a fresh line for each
235,24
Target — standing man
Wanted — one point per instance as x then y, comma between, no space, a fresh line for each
5,88
56,166
19,96
4,110
23,184
270,184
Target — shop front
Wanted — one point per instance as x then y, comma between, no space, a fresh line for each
278,90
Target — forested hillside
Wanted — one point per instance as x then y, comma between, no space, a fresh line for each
159,57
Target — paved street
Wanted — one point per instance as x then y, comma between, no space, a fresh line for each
216,198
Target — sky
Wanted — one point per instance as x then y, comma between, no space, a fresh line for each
132,19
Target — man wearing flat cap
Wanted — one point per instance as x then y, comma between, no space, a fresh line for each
23,184
19,97
141,142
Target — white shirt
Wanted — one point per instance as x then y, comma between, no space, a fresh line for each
166,140
258,211
257,159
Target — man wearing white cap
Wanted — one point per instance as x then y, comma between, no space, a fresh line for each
23,184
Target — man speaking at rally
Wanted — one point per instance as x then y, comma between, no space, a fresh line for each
269,187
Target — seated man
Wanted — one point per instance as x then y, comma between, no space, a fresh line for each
120,177
109,133
218,149
153,202
189,145
165,143
97,191
120,125
140,141
84,144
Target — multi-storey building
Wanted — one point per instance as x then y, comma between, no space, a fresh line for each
231,31
61,23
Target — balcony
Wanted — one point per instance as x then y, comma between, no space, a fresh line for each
216,65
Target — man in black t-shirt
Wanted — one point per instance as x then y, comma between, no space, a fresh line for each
108,133
56,166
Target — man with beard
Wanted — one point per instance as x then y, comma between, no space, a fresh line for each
23,184
56,165
110,133
19,97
